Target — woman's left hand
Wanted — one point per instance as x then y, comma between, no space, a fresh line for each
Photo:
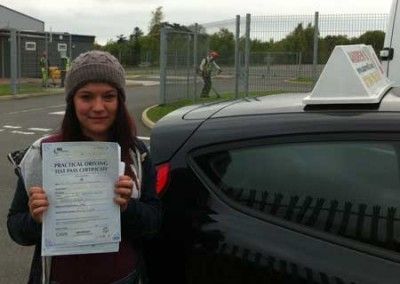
123,190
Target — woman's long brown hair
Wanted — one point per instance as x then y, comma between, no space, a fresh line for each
123,130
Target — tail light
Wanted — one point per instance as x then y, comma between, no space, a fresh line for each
163,174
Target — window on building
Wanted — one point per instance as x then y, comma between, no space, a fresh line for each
62,47
30,46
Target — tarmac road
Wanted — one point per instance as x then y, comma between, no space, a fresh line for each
22,122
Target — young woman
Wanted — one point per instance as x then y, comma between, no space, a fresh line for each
95,111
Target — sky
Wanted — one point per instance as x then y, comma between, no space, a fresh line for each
106,19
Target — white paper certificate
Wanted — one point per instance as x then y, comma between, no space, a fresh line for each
79,180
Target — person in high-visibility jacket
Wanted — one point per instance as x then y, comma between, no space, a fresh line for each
44,69
207,67
65,65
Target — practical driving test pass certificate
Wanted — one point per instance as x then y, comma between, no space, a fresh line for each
79,180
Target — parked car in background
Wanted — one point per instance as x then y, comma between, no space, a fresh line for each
270,190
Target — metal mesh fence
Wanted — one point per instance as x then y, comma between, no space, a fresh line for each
295,70
181,52
267,28
277,63
181,78
21,51
225,82
352,25
287,53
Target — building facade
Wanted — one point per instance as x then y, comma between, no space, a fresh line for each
32,41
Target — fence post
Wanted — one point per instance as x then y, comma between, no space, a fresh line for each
237,64
300,64
247,55
13,60
19,60
70,46
163,64
195,59
188,66
46,49
315,55
2,49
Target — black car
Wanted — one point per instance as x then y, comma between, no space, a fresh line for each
268,190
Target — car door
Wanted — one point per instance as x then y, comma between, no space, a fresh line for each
312,208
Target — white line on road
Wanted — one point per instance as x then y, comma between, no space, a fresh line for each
144,138
35,109
144,83
11,127
58,112
1,130
22,132
40,129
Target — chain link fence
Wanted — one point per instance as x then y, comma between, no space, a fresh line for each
261,54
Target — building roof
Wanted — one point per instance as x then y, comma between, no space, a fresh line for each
25,15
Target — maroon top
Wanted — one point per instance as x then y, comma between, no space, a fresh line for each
94,268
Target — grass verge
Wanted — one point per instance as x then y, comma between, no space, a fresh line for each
302,80
25,88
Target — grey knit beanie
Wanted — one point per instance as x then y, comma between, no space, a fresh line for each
94,66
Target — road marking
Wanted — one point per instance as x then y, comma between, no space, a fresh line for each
35,109
144,138
22,132
1,130
143,83
40,129
58,112
11,127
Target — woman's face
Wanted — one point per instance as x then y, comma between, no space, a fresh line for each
96,107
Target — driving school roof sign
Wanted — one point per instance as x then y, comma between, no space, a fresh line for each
353,75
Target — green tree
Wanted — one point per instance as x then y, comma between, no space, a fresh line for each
150,44
300,40
223,42
136,34
150,49
374,38
121,39
157,16
200,29
260,46
112,47
119,49
135,46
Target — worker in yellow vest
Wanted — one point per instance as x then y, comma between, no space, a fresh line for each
65,65
44,69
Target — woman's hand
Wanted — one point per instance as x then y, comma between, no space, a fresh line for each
124,191
37,203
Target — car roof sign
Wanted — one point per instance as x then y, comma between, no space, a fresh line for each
352,75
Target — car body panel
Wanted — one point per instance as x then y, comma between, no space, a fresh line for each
203,226
184,122
179,125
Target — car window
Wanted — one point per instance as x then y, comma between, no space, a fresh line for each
351,189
